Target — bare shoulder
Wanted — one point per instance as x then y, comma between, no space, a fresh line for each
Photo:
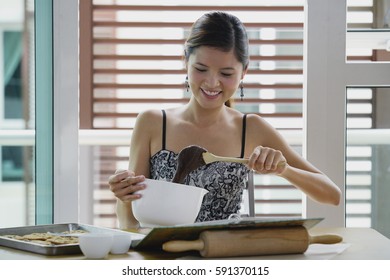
261,132
149,115
257,122
147,126
235,115
149,119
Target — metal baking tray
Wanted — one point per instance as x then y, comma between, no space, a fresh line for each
50,250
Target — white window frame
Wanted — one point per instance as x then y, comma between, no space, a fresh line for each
327,75
66,110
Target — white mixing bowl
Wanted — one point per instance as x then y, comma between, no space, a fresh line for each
167,204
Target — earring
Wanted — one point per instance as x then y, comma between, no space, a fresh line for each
187,84
241,90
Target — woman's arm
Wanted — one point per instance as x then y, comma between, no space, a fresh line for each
123,184
272,155
315,184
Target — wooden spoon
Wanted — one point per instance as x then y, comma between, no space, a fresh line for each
209,157
193,157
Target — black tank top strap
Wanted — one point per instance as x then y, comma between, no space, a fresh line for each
243,136
164,128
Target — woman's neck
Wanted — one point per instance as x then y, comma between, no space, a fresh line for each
203,117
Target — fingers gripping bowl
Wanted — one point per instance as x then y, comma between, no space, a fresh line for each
167,204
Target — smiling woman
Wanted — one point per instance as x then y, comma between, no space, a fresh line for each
212,76
217,43
138,65
223,77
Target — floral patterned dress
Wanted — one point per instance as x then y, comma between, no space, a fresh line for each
225,181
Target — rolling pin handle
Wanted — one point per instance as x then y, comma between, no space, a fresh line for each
326,239
176,246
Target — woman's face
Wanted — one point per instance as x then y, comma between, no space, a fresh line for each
213,75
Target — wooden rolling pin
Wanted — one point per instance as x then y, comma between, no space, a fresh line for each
251,242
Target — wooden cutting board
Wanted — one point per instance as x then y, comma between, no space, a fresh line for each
159,235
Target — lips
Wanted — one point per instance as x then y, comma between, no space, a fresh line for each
210,94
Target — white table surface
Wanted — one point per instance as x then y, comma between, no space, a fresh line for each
358,244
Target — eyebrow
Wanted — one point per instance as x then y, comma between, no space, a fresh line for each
226,68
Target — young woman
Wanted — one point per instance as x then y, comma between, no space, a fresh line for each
216,57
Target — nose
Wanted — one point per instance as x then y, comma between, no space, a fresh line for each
212,81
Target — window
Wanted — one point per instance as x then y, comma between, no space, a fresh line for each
26,134
12,157
367,157
17,188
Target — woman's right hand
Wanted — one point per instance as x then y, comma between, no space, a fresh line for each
124,184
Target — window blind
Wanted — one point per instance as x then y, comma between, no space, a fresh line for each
361,175
131,59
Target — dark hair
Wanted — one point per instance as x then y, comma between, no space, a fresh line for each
221,31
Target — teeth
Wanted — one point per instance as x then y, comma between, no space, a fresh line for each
211,93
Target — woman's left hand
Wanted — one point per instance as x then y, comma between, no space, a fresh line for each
265,160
